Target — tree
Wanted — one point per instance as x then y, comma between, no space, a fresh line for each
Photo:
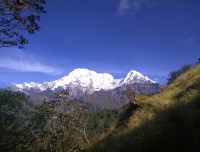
19,120
174,74
59,125
81,117
68,120
17,16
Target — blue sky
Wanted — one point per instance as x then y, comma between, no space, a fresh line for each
153,37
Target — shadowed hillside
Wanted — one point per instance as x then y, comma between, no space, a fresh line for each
169,121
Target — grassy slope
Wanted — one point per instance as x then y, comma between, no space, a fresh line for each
169,121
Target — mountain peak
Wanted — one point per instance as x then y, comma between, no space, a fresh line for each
134,72
136,77
84,71
79,70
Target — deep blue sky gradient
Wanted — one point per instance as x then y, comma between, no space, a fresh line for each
155,38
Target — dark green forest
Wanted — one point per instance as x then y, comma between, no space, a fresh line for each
57,125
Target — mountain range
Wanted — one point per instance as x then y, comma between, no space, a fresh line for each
90,86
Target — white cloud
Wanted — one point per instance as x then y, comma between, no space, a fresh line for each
129,6
124,4
27,65
132,6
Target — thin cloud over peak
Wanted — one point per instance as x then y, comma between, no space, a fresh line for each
27,65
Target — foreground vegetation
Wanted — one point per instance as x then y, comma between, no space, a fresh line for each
168,121
59,125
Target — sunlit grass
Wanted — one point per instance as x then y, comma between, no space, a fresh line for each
168,121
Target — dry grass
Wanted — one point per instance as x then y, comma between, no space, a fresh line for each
168,121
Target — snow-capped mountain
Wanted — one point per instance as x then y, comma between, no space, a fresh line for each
136,77
83,81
